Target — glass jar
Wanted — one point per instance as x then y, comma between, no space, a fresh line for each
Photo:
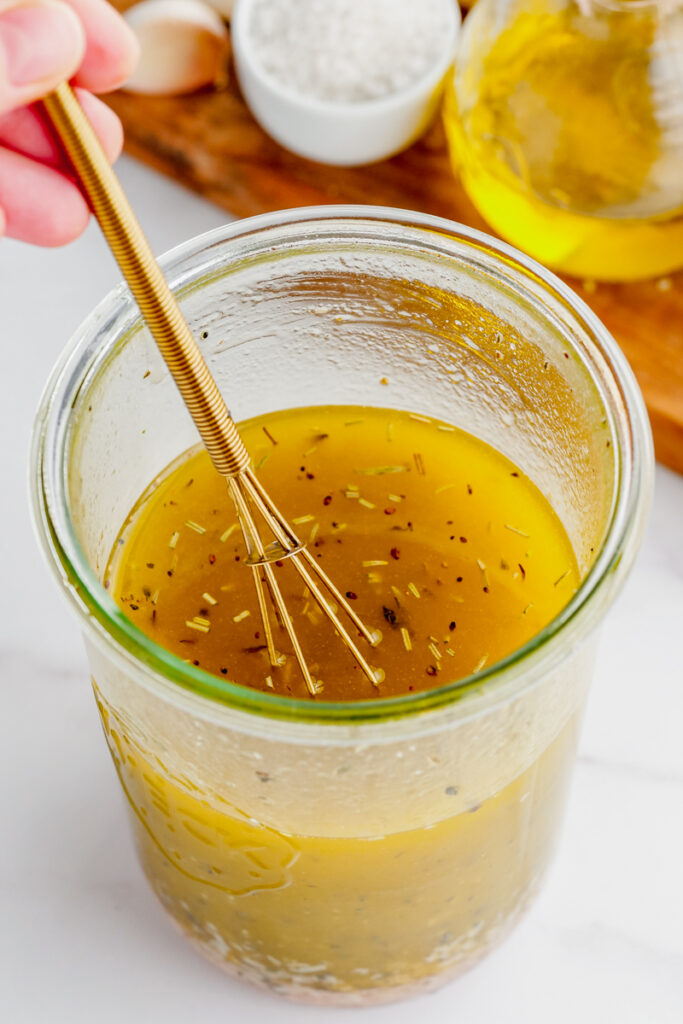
358,852
565,123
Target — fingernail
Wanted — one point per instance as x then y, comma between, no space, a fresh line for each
40,42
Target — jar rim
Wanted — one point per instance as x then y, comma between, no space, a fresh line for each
185,266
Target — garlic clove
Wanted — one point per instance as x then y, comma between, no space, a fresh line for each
183,45
224,7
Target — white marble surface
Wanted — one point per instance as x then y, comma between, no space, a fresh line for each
81,938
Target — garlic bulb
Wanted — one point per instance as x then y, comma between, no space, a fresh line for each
183,44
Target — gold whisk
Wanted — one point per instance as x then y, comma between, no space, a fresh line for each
201,396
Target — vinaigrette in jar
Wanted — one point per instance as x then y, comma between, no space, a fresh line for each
444,545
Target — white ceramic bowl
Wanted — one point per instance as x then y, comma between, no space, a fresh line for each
339,133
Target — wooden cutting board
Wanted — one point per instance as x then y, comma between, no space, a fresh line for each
211,143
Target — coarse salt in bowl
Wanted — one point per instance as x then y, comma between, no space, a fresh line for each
344,82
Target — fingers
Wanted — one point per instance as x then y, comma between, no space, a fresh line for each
38,201
44,42
39,204
24,130
112,48
41,43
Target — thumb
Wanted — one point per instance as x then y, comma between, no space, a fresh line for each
41,44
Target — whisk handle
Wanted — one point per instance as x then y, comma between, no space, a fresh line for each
145,280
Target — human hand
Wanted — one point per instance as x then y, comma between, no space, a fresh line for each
42,43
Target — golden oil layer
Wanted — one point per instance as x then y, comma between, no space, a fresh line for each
434,537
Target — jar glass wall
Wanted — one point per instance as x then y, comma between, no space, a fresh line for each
357,852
